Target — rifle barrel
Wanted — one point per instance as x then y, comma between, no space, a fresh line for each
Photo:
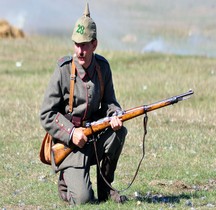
60,151
134,112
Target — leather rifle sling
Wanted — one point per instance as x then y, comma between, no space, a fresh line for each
72,80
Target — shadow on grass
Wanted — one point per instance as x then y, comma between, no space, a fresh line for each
158,198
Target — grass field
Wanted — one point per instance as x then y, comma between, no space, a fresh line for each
179,169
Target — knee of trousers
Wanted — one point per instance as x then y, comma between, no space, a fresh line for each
114,147
121,133
81,197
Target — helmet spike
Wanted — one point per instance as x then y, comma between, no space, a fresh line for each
87,12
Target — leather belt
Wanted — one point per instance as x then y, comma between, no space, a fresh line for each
78,122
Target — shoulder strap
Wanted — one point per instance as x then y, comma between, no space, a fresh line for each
72,80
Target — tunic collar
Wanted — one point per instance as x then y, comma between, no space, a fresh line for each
81,71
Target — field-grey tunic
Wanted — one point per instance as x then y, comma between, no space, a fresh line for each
87,104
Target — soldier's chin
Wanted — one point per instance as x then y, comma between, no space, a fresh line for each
81,61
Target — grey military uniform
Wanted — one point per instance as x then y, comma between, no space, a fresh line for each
87,101
89,105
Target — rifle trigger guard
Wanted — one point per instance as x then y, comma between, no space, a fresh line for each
92,138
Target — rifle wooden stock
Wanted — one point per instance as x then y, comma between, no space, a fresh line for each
61,151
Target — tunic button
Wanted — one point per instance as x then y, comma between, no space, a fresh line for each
88,86
57,120
62,125
68,129
89,96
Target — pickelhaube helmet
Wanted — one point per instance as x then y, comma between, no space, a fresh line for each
85,28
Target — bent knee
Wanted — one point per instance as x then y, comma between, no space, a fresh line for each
82,197
121,133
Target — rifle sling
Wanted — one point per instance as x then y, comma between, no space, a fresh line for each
145,120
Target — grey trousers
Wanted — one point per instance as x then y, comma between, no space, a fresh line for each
74,183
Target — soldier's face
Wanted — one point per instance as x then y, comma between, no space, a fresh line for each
84,52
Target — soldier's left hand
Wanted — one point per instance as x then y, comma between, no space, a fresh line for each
115,123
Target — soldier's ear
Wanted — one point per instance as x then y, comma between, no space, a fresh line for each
94,43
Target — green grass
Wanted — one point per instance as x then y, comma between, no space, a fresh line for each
180,162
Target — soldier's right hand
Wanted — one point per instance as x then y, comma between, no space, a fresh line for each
79,138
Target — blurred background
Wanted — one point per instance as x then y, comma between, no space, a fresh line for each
184,27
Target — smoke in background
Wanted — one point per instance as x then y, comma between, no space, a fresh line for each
184,27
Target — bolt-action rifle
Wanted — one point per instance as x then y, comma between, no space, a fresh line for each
61,151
